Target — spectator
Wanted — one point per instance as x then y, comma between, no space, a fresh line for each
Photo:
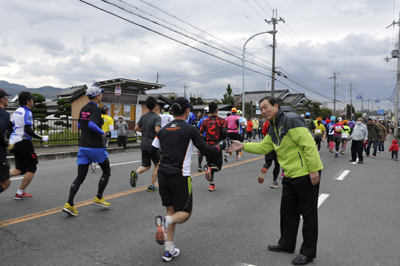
374,135
256,124
381,147
260,128
359,136
394,148
122,128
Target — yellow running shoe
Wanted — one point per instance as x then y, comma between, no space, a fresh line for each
101,202
71,210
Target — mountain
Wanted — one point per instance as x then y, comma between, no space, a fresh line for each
47,91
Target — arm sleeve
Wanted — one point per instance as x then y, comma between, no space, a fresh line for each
224,130
92,125
28,130
79,125
264,147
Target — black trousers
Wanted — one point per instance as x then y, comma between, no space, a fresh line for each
269,158
122,141
357,149
299,197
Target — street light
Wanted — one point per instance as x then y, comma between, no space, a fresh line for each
273,32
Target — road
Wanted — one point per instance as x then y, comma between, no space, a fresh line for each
359,220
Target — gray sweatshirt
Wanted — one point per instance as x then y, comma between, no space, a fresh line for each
360,132
122,127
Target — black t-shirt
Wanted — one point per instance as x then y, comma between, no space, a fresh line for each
4,120
89,138
176,140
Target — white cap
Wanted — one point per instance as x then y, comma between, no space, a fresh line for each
94,90
302,115
166,107
206,110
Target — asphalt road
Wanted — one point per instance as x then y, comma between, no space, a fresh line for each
359,217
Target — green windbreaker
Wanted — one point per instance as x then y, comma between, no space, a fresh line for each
295,147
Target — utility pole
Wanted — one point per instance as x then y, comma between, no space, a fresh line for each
274,20
351,101
157,77
362,102
334,90
184,90
395,54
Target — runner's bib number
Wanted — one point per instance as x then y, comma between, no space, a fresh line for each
344,136
317,131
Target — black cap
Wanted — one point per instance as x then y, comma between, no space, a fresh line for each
3,93
25,96
181,103
369,119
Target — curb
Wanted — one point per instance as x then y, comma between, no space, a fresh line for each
42,157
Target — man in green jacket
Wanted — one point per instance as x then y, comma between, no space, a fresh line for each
298,156
374,135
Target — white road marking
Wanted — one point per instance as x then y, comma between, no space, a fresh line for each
124,163
343,175
244,264
322,198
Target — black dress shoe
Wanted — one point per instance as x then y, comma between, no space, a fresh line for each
279,248
301,260
360,162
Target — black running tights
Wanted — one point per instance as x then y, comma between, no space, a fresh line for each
82,172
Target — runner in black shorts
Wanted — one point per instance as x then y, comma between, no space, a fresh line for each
149,124
4,125
215,128
176,141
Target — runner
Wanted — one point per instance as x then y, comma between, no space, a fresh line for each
4,125
233,130
345,134
331,132
91,149
249,129
269,158
319,133
149,124
166,117
199,154
176,142
337,135
21,137
108,126
215,128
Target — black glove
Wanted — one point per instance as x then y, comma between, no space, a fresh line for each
108,134
226,143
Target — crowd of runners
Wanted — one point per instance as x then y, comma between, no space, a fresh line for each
291,141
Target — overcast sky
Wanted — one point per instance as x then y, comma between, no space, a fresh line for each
64,43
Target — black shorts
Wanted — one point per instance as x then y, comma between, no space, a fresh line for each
4,171
337,138
25,156
215,159
147,158
233,136
176,191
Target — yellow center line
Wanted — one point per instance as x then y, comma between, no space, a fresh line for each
87,202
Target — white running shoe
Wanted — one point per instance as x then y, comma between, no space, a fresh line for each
169,255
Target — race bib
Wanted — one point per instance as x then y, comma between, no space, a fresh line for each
338,128
317,131
344,136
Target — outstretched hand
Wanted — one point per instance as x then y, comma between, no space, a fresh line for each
236,145
224,144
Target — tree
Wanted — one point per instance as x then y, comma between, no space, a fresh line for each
357,115
348,113
228,98
316,111
192,100
40,109
63,112
326,112
199,101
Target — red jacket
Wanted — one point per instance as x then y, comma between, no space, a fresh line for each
394,146
265,128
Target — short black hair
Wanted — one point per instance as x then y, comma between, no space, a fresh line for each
213,107
272,101
151,102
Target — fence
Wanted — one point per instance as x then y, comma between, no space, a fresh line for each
61,131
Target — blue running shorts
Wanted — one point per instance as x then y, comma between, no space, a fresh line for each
91,155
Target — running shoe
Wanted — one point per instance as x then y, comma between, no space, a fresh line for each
373,156
93,167
282,175
24,195
336,154
207,169
240,154
261,176
226,158
230,153
169,255
342,152
392,158
212,187
71,210
319,151
161,234
151,188
237,158
200,169
134,178
101,202
330,150
397,159
274,185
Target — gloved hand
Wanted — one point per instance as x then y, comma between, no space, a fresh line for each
108,134
226,143
45,138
